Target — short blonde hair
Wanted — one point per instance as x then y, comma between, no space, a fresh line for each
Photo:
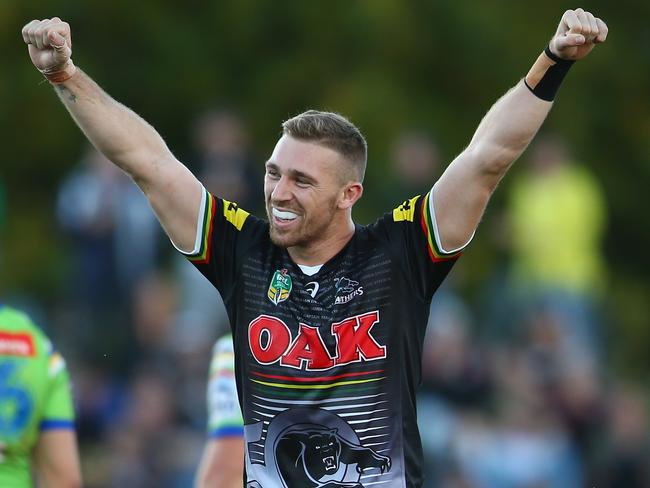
334,131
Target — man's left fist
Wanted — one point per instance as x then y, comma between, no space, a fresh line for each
579,31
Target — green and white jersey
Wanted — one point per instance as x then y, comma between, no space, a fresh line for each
224,414
34,394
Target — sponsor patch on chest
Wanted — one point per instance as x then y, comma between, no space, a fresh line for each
16,344
280,286
271,341
346,290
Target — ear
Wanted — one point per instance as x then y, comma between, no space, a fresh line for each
350,193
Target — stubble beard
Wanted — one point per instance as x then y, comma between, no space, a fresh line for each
303,236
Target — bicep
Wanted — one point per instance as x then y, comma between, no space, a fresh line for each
460,197
174,194
462,193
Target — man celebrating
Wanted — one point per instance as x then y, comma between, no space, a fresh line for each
327,316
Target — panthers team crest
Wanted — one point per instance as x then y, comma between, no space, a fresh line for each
280,286
314,448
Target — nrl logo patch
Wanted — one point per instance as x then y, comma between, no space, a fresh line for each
280,286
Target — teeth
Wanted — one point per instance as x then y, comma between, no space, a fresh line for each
283,215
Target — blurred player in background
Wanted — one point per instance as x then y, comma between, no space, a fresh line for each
222,464
36,414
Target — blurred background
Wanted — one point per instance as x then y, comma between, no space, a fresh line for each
537,356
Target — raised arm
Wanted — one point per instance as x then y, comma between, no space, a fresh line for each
119,133
462,192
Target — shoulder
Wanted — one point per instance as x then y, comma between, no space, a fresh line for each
403,216
231,213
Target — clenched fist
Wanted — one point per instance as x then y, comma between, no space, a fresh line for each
50,48
577,34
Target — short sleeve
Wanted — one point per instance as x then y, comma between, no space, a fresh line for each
58,410
224,234
411,233
224,414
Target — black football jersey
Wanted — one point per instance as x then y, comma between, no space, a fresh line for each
327,365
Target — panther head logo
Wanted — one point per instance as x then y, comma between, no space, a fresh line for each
322,452
345,285
318,452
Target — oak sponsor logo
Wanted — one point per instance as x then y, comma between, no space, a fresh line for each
270,341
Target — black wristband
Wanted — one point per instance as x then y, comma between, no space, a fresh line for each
546,75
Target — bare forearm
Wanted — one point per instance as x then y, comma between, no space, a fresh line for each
56,460
115,130
135,146
221,464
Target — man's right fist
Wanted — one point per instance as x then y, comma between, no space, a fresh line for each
50,48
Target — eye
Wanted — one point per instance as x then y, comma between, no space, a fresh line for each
272,173
302,183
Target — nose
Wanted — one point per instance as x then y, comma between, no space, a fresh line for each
282,190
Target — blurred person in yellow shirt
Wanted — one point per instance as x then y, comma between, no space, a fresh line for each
557,215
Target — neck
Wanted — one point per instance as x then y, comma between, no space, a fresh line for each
322,250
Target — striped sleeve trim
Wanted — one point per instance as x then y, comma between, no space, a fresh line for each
56,424
227,431
204,226
430,228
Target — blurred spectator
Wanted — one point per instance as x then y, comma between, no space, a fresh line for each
149,447
514,455
226,168
557,217
114,235
225,160
415,160
453,366
414,166
627,454
154,417
523,443
166,341
100,399
455,378
570,382
155,302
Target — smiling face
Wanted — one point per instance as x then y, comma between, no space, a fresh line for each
309,193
